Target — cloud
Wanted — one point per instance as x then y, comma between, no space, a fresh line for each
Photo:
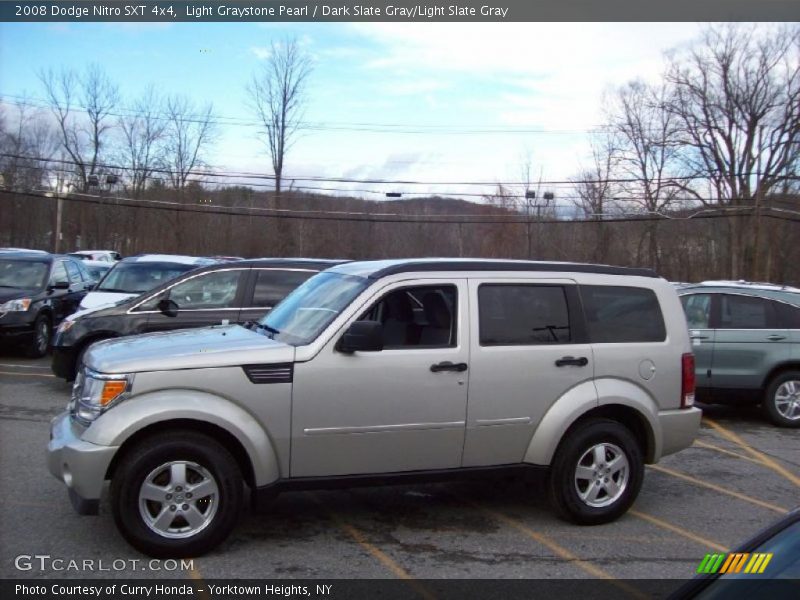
261,52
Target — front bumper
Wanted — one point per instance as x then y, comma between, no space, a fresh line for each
80,465
63,365
16,329
678,428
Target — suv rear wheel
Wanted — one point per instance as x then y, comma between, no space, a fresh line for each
596,473
176,495
782,399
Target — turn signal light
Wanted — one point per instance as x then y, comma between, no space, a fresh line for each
112,390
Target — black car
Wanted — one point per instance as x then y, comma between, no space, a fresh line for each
37,291
765,566
233,292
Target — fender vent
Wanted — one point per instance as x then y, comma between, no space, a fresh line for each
281,373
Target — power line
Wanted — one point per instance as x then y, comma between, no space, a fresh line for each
362,216
315,178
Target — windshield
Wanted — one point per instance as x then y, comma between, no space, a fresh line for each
137,278
304,313
23,274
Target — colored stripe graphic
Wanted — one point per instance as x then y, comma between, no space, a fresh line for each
734,562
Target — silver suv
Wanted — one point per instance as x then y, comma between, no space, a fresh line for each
381,372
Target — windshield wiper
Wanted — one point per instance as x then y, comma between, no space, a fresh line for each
261,326
115,291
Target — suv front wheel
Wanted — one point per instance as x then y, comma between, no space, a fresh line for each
596,473
782,400
176,495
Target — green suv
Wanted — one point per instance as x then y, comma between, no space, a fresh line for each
746,342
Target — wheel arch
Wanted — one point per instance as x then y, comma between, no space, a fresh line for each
221,435
777,370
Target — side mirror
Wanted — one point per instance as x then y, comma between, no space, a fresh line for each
59,285
168,307
362,336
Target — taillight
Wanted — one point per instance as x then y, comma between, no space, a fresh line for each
687,380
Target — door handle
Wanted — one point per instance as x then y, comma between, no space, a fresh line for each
698,337
449,366
776,337
581,361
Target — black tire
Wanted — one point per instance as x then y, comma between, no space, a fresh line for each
42,335
151,455
565,490
781,402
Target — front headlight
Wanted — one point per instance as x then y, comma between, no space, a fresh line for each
18,305
65,326
93,393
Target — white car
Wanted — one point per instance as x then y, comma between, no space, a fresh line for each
109,256
138,274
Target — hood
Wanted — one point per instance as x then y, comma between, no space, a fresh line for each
7,294
207,347
95,299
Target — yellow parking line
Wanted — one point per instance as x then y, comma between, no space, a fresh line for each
702,444
377,553
760,456
26,374
559,550
720,489
679,530
194,573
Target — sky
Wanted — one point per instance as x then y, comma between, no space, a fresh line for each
398,101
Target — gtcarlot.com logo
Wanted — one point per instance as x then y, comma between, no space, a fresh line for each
735,562
46,562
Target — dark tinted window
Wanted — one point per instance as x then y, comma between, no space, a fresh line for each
523,314
417,317
273,286
789,316
616,314
746,312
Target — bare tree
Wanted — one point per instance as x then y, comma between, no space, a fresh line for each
277,96
82,105
188,134
27,143
593,186
736,96
143,134
648,148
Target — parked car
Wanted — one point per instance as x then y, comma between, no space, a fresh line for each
233,292
139,274
37,291
109,256
97,268
768,566
746,341
28,250
385,371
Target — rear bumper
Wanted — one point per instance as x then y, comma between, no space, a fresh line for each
678,428
80,465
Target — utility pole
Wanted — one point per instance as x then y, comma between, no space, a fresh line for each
758,201
57,229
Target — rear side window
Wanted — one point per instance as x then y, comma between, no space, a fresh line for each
512,315
746,312
617,314
272,286
789,316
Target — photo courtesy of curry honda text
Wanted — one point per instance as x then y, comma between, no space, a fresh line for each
386,372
